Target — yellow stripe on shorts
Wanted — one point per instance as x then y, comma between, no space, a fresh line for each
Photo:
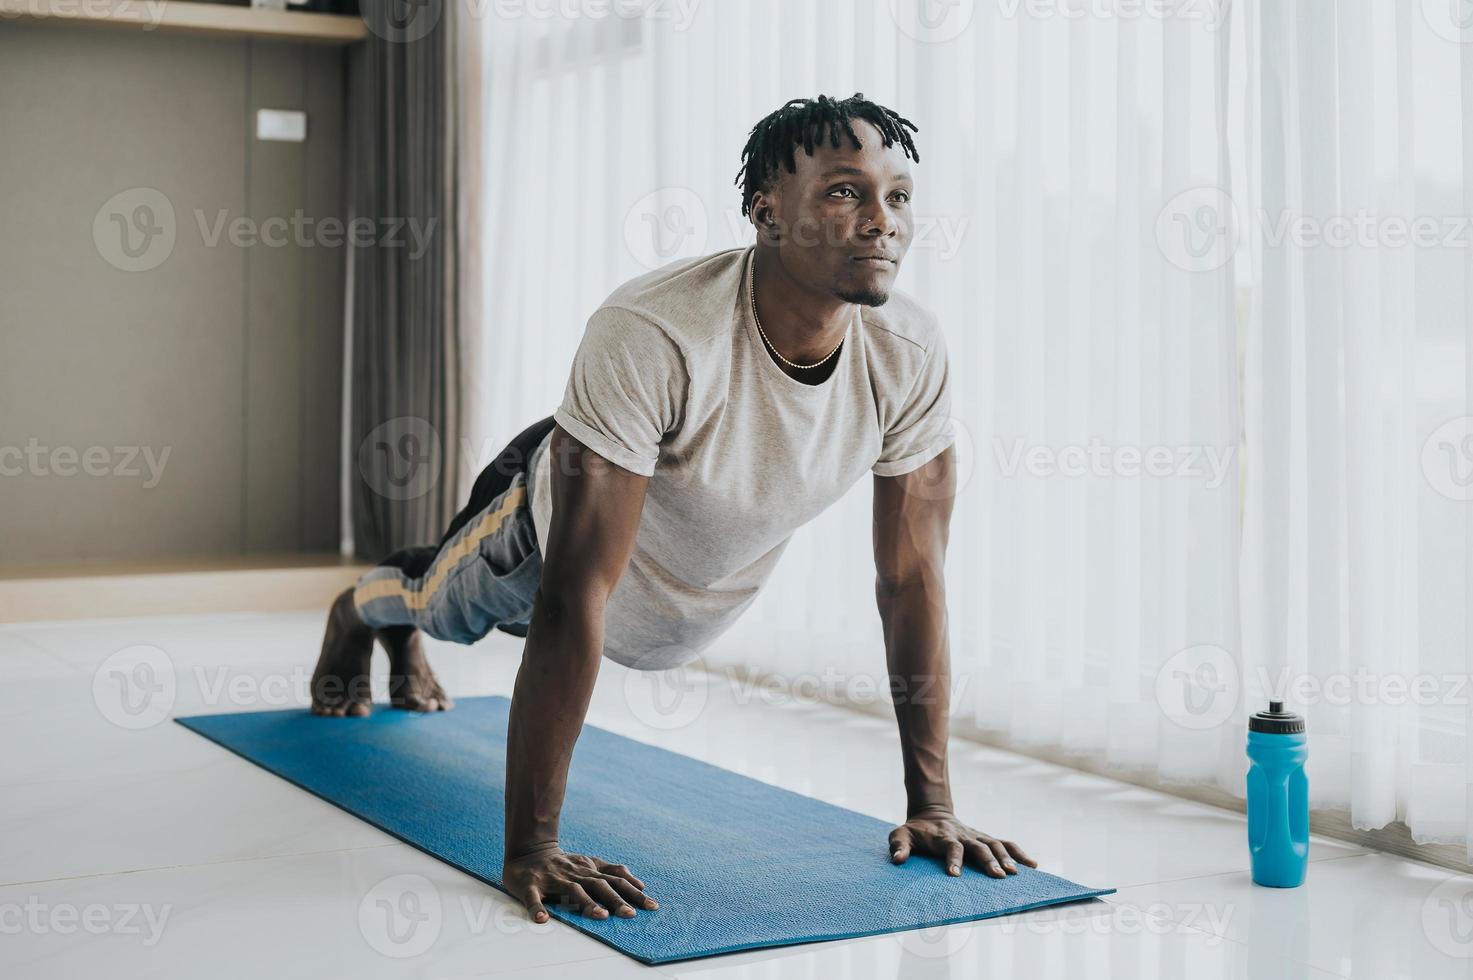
424,594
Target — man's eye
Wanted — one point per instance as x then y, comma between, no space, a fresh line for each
902,196
842,190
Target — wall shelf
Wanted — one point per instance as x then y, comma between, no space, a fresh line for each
185,17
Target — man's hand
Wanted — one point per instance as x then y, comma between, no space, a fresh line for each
591,886
596,510
941,835
912,520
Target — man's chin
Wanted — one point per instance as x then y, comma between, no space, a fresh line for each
865,295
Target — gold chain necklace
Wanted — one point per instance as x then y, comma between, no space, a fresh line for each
752,297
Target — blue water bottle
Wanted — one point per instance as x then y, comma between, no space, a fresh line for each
1278,798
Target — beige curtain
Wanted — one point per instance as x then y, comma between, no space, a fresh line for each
404,312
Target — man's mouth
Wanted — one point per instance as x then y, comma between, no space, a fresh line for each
875,261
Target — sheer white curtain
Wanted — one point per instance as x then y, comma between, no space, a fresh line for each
1359,448
1078,177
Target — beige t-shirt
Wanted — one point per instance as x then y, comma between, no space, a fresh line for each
672,381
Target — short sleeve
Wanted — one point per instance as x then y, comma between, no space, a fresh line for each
625,389
921,429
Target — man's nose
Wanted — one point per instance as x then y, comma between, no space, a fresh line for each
878,223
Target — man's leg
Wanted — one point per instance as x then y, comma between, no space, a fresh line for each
340,684
401,595
498,475
412,684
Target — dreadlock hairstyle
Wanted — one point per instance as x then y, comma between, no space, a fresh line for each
808,121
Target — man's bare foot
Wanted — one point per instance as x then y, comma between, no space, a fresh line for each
340,686
412,684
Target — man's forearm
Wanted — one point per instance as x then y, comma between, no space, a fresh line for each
554,684
916,651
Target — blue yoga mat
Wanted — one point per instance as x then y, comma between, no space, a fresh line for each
734,863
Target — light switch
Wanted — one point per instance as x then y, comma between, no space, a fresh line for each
281,125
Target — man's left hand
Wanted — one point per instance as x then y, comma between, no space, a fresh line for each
941,835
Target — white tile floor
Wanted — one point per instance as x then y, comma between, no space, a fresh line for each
131,847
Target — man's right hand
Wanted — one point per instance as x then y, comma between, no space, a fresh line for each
596,507
590,886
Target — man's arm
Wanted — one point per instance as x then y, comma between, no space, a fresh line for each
912,521
595,516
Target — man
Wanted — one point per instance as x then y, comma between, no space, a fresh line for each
714,406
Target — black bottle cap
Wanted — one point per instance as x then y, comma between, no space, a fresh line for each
1276,721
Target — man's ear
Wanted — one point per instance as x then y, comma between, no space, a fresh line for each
764,218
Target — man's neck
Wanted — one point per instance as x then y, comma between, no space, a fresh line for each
802,324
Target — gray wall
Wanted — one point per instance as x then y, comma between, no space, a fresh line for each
228,358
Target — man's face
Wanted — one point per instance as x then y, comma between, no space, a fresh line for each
840,209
